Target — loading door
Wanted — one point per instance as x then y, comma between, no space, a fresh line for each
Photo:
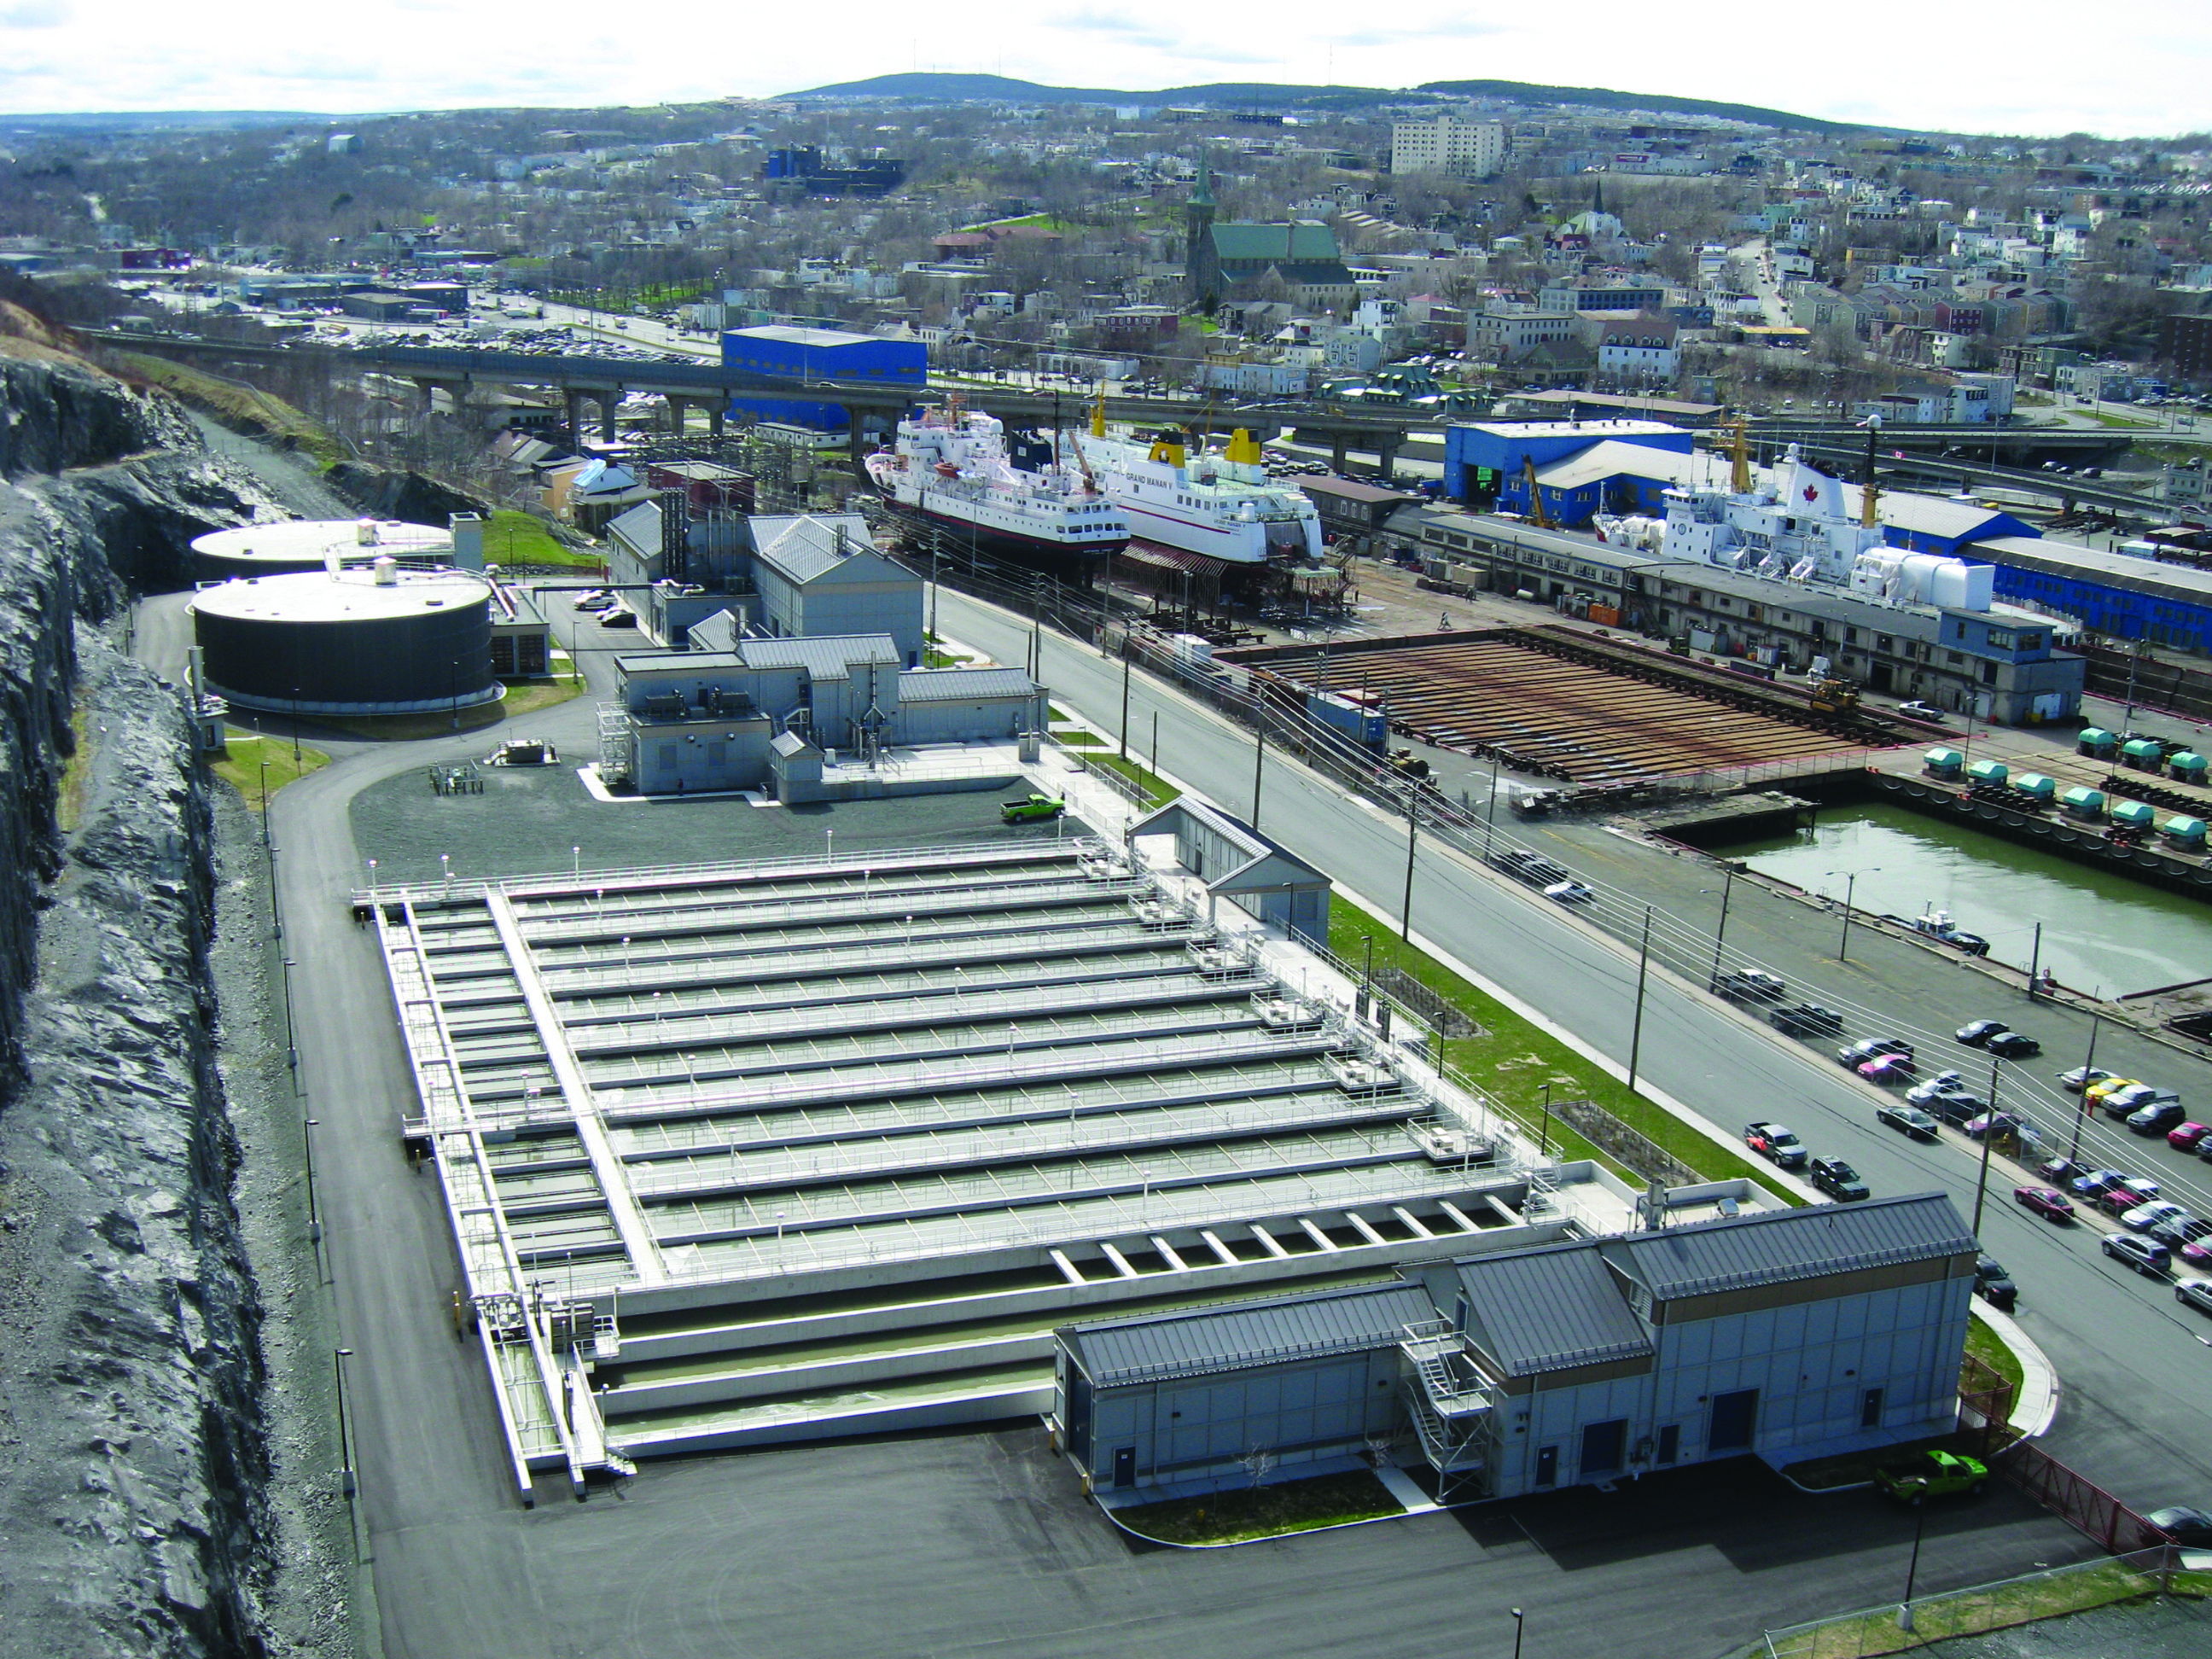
1732,1417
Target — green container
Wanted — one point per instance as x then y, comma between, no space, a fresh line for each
2035,784
2143,751
2185,832
1988,772
2188,767
2082,802
1942,762
2095,740
2133,811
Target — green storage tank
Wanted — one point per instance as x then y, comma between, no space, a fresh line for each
1988,772
2083,802
2035,784
1942,762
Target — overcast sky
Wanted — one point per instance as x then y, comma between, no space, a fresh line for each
2120,66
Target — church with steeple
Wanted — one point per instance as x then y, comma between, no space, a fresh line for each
1240,259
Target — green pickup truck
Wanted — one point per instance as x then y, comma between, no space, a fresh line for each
1030,808
1932,1474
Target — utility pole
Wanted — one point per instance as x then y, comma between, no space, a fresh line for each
1125,693
1636,1035
1989,1140
2081,1094
1727,885
1259,757
2034,961
1413,844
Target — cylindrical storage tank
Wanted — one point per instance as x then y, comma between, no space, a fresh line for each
349,643
2095,740
1919,573
2146,754
1946,586
2084,803
1988,772
2134,813
2187,766
2035,784
2187,834
296,544
1942,762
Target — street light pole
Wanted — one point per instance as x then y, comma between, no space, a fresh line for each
1412,844
1259,758
1989,1140
346,1482
1635,1035
1518,1626
1912,1571
1490,808
1851,886
1126,660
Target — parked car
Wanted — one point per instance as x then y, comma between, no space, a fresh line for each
2000,1124
1994,1284
1807,1019
2177,1230
1837,1178
2184,1525
1975,1033
1909,1120
2195,1293
1958,1111
2120,1103
2060,1171
2105,1084
1752,985
592,598
2041,1200
1775,1143
2156,1118
1530,868
2083,1076
2130,1194
1917,710
1866,1049
618,619
1030,808
2144,1255
1932,1474
2144,1217
1943,1083
2013,1045
2094,1183
2197,1253
2189,1136
1890,1071
1570,892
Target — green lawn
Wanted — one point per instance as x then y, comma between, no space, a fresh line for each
1158,791
1971,1613
242,767
517,538
1513,1059
1248,1512
1076,737
242,408
1983,1344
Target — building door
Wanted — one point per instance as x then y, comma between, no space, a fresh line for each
1079,1418
1547,1467
1733,1416
1670,1442
1124,1467
1879,674
1603,1445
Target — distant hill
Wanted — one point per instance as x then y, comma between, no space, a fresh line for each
168,120
927,88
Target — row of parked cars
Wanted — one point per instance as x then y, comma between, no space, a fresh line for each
605,608
1779,1146
1554,879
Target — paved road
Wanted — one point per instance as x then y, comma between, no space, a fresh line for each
2138,1370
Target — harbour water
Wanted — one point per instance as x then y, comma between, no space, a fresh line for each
2100,931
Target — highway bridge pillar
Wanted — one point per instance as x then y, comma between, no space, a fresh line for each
575,403
1386,456
1336,453
716,413
856,445
427,390
679,408
609,403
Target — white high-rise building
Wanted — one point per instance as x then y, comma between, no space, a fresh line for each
1469,149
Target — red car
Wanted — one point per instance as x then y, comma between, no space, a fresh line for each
2188,1137
1888,1070
2051,1206
2197,1253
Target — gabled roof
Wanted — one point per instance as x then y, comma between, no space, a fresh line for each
1549,1310
824,656
1266,866
640,527
1613,458
1162,1346
957,685
805,548
1782,1245
1300,239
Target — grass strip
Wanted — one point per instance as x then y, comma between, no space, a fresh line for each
1512,1059
1157,790
1249,1512
513,538
242,408
257,765
1982,1343
1974,1613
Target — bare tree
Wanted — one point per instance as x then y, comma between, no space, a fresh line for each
1259,1462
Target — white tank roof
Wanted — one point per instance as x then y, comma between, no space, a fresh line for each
296,541
316,596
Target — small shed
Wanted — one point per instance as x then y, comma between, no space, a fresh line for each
2084,803
2133,812
2185,834
2035,784
1942,762
1986,771
2146,754
794,767
1238,863
2188,767
2095,740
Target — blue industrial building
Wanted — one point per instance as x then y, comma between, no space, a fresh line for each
818,354
1790,1334
1484,458
2111,594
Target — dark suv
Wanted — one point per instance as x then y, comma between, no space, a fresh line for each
1836,1178
1531,867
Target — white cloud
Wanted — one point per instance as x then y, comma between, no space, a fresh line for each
2133,67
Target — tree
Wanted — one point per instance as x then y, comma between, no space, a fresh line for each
1259,1462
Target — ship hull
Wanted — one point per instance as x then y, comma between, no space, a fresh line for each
1036,552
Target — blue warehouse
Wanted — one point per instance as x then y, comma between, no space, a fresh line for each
2113,593
819,354
1486,458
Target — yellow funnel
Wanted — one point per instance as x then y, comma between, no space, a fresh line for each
1242,448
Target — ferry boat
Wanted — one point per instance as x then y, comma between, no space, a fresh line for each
954,467
1221,504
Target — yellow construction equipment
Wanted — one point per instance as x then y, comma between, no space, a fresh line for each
1537,515
1835,697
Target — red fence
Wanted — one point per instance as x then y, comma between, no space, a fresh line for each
2087,1508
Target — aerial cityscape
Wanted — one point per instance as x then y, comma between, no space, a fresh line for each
872,855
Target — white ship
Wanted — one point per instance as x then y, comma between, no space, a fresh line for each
953,467
1221,504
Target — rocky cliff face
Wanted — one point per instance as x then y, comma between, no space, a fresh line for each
133,1451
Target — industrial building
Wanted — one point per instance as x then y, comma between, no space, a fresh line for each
1791,1335
779,574
2113,593
740,712
1487,458
349,640
2009,666
804,355
831,1145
